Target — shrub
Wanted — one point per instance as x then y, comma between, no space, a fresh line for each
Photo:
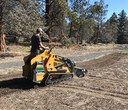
66,42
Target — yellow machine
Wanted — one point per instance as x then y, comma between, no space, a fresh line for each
48,68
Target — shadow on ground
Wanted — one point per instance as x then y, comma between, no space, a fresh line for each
17,83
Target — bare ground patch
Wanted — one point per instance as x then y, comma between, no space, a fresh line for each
104,88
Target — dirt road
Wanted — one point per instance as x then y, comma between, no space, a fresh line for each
9,66
104,88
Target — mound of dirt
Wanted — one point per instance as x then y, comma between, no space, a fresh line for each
102,62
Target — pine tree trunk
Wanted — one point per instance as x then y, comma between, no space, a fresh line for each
1,18
1,14
48,15
3,43
70,34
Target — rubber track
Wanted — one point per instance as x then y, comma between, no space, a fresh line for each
58,80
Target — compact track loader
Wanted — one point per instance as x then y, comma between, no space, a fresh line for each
47,68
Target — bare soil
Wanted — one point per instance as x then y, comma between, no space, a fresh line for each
11,62
17,52
105,87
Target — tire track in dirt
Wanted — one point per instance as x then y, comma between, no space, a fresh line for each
92,92
18,84
107,85
107,79
97,86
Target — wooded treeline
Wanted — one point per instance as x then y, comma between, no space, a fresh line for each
69,21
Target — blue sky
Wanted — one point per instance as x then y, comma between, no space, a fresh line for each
115,6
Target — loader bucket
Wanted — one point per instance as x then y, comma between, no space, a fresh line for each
80,72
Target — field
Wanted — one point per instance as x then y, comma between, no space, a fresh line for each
105,87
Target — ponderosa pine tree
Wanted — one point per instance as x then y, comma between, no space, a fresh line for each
111,26
21,17
98,12
122,36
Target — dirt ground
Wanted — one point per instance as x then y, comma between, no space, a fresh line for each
105,87
16,52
